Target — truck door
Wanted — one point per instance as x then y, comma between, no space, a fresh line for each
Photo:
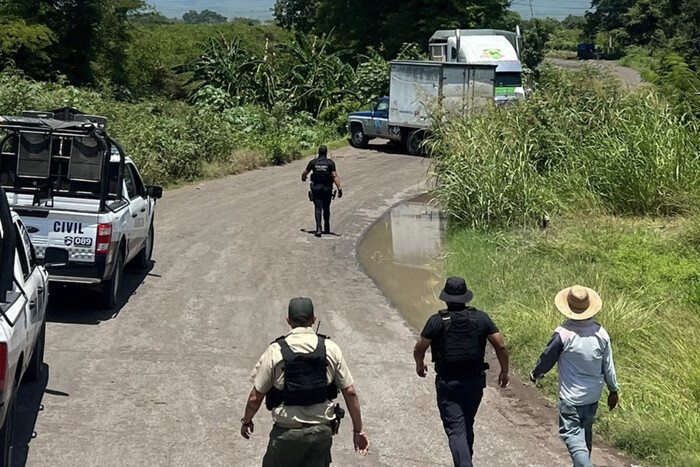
380,119
138,211
33,285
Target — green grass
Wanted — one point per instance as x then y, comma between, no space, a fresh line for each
578,142
647,272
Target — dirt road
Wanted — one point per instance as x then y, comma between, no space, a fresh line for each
164,381
629,77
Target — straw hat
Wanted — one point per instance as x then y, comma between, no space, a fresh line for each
578,303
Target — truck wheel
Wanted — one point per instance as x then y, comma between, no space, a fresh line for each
358,139
7,432
143,259
413,142
35,371
110,288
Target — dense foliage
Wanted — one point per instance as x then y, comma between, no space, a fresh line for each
172,141
86,42
579,142
357,24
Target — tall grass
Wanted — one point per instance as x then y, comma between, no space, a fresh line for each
578,142
647,274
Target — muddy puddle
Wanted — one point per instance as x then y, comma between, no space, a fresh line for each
402,254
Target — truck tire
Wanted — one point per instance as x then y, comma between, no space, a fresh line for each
143,259
7,432
111,287
35,371
413,141
358,139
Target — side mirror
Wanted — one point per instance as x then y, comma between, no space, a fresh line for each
55,257
155,192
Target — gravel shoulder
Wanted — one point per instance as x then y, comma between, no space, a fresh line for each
629,77
164,381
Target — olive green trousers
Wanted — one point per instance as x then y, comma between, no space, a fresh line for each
309,446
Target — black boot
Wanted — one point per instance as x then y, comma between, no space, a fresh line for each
317,233
327,228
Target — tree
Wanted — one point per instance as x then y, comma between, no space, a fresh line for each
359,24
299,15
315,77
22,42
90,36
536,35
225,66
205,17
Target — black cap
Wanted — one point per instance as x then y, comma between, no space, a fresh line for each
323,150
456,291
301,310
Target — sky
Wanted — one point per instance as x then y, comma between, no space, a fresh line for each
260,9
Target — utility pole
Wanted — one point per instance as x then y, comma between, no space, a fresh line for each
532,14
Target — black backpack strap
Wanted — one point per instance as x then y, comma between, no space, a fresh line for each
321,346
277,341
287,354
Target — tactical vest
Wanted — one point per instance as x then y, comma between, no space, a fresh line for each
322,172
460,342
304,378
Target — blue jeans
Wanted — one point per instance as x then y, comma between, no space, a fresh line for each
576,429
458,401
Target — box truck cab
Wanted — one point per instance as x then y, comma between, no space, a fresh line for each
484,47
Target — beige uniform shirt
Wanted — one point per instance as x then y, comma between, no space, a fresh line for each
268,373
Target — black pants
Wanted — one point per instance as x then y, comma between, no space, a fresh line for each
322,205
458,401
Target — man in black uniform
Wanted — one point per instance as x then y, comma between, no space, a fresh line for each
322,180
457,339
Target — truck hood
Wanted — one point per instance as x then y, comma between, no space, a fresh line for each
364,113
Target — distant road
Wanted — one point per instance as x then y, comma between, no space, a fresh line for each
629,76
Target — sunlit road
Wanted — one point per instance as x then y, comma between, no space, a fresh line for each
164,381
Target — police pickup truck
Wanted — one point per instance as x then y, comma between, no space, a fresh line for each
23,296
75,189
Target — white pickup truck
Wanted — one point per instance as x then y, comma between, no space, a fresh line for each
23,297
75,189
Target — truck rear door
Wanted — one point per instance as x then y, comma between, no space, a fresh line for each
72,230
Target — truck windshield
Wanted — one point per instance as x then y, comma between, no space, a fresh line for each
509,80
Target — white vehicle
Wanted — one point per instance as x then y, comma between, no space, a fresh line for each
484,47
75,189
416,88
23,297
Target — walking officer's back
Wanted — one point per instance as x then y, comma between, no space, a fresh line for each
457,337
323,176
299,376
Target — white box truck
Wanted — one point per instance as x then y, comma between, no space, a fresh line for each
416,90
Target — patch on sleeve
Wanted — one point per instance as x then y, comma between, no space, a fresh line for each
564,334
603,334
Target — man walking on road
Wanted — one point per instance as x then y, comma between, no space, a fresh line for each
322,179
582,348
299,376
457,337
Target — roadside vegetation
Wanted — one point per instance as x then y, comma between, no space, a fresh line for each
617,174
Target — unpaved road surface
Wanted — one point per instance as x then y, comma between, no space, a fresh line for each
164,381
629,77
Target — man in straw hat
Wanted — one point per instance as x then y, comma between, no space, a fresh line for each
457,337
582,349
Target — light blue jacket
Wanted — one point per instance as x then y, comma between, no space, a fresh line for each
584,354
